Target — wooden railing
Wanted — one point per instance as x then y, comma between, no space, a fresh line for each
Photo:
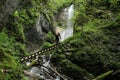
37,55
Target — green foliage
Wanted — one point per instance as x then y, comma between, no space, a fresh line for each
91,10
92,51
5,41
19,34
49,40
70,69
55,5
50,37
10,52
10,69
10,44
26,16
47,44
112,27
95,43
96,38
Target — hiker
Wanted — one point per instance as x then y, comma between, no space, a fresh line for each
57,34
57,37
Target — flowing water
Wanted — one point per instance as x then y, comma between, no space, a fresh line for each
38,27
69,12
67,32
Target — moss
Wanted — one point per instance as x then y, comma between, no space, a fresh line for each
10,52
47,44
9,71
70,69
95,43
112,27
94,48
62,56
50,37
9,43
20,37
101,77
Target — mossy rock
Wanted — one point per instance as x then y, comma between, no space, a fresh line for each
70,69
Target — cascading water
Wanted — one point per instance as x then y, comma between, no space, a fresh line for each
38,26
69,12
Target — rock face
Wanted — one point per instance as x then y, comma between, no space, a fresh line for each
42,27
7,7
36,34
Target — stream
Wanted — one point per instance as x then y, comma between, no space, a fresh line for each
40,72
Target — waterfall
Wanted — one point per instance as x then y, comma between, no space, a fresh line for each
38,26
67,32
69,16
68,12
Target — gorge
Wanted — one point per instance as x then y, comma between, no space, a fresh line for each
88,47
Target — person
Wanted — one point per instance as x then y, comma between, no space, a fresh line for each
57,37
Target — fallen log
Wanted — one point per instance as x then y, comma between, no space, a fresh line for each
102,76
